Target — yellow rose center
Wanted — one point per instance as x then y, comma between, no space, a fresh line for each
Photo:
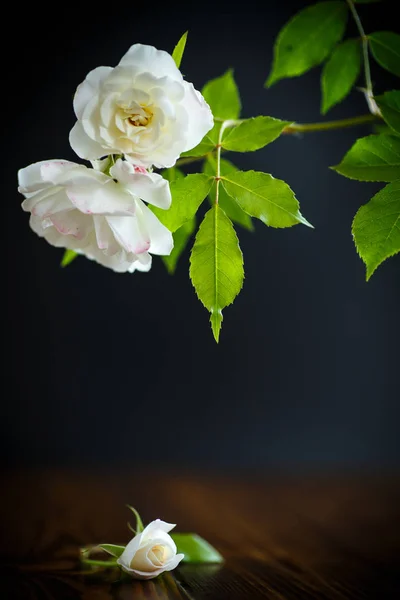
159,552
140,117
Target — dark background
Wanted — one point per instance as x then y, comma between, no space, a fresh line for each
123,369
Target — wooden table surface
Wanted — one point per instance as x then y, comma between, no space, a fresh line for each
336,537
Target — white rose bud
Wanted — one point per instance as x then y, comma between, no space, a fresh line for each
98,215
142,108
151,552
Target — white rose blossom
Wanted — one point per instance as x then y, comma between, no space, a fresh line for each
151,552
101,216
142,108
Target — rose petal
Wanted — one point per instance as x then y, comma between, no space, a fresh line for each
107,199
84,146
200,116
149,59
161,238
130,551
130,234
51,201
39,175
150,187
174,562
157,525
88,88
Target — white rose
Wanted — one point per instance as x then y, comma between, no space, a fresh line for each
151,552
142,108
98,215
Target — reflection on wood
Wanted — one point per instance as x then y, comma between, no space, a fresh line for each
287,539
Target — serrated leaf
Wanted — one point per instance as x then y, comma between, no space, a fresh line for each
172,174
389,104
223,97
372,158
340,73
307,39
376,227
253,134
228,205
139,523
181,237
207,144
262,196
187,195
385,48
179,50
196,549
216,265
113,549
68,257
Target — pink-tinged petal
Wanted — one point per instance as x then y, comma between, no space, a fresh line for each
102,199
130,234
161,238
28,205
72,223
104,237
30,178
117,262
151,60
88,88
84,146
150,187
201,119
53,237
44,205
52,170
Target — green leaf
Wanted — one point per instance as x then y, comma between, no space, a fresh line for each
372,158
139,523
307,39
389,104
181,237
253,134
365,1
228,205
172,174
340,73
223,96
112,549
376,227
385,48
68,257
196,549
262,196
216,265
179,49
187,195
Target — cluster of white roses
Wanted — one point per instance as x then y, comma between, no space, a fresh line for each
135,116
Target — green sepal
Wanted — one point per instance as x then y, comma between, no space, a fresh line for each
179,50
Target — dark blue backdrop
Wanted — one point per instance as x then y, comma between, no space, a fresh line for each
123,368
